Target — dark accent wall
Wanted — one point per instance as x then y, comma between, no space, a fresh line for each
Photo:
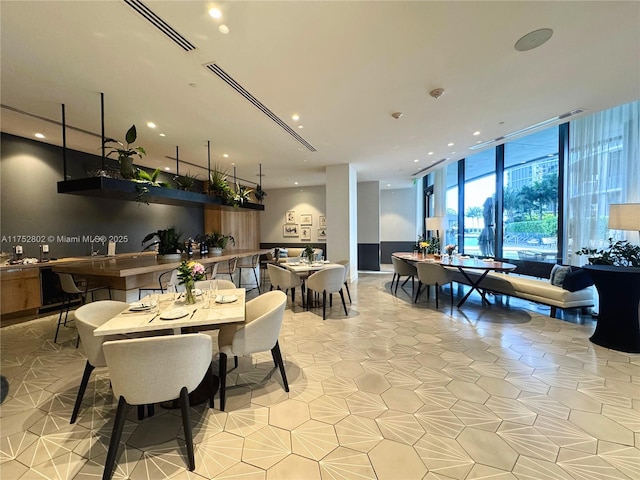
33,213
369,257
387,248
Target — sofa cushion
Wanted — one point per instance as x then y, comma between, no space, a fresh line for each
558,274
576,280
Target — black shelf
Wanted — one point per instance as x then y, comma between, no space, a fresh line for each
114,188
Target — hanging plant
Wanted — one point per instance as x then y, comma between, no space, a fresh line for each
125,153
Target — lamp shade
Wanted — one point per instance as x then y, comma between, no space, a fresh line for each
433,224
624,216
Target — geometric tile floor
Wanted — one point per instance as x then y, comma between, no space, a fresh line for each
391,391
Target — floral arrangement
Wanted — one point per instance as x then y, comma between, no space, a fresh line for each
188,274
450,249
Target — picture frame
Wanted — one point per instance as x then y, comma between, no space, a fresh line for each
322,233
322,221
290,230
305,233
306,219
290,216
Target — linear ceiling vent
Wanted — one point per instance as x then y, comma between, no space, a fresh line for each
228,79
161,25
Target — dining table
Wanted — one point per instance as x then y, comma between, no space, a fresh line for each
172,313
464,264
304,269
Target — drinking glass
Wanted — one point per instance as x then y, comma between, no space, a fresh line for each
214,290
171,290
155,302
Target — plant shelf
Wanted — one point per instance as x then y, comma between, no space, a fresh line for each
114,188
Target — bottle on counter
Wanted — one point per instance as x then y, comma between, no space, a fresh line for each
190,248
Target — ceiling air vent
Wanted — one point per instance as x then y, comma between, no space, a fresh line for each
161,25
433,165
229,80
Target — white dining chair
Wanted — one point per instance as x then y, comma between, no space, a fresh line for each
329,280
222,284
402,268
259,333
88,318
433,274
283,279
157,369
345,264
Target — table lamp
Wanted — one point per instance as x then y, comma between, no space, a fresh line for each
433,224
624,216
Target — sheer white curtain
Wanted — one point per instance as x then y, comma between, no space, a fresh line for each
603,168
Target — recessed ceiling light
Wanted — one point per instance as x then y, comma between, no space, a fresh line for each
225,155
151,125
416,161
167,169
162,134
295,117
430,153
295,183
39,135
450,144
476,133
223,29
300,127
233,164
388,184
215,13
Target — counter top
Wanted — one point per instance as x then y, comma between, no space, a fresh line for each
136,264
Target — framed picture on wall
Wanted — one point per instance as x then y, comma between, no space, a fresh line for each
323,221
306,219
290,216
322,233
290,230
305,233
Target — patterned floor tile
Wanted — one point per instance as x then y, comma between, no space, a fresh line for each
313,440
358,433
444,456
266,447
393,460
346,464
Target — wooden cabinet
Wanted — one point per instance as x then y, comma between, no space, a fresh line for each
20,289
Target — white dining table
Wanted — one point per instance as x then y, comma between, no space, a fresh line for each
302,268
197,315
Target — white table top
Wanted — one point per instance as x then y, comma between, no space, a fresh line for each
306,268
218,314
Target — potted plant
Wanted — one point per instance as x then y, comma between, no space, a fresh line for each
126,152
218,242
620,253
185,182
168,242
143,179
259,194
241,195
218,184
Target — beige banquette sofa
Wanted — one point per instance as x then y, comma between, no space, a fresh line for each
294,252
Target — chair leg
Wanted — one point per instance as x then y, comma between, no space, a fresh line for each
451,292
116,434
277,359
88,368
343,303
418,292
348,292
437,288
397,283
222,373
186,425
393,280
330,300
303,288
235,361
211,384
324,304
293,295
553,312
255,275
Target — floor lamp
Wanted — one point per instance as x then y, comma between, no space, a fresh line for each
433,224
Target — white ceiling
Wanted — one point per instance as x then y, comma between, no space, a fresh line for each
344,67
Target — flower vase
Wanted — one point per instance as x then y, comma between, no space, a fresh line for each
190,298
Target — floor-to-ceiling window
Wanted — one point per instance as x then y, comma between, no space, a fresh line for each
530,199
603,168
479,204
451,207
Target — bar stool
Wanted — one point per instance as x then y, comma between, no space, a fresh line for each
230,267
250,262
72,289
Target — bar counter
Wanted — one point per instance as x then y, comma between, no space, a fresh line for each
123,273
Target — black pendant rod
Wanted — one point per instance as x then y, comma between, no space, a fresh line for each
102,124
208,159
235,183
177,161
64,145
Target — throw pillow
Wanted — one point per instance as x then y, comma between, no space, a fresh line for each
558,274
284,253
576,280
